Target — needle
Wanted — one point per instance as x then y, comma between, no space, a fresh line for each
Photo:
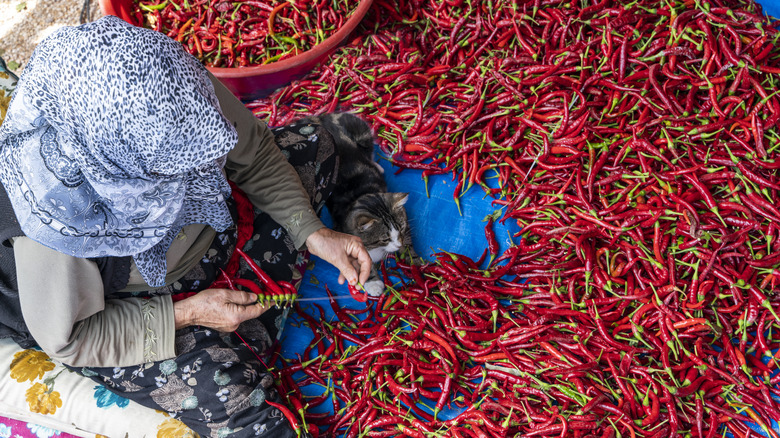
337,297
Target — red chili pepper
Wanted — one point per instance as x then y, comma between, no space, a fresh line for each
289,415
358,293
490,235
623,169
266,280
240,23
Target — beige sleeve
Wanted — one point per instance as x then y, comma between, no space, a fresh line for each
258,167
68,317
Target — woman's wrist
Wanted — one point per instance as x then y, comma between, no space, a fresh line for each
181,314
307,228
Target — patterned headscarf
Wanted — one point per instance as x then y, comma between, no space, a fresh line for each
113,142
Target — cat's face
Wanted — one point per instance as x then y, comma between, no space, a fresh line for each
379,219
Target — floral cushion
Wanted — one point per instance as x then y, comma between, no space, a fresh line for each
39,390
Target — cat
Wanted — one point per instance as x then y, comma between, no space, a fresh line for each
360,203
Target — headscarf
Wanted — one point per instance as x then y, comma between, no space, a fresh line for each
113,142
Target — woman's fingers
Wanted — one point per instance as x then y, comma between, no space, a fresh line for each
220,309
347,271
241,297
341,250
247,306
357,268
363,261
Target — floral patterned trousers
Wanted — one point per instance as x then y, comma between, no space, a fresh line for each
216,385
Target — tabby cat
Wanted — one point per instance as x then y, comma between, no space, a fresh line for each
360,204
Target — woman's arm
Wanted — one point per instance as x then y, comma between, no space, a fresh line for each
62,303
258,167
64,308
273,186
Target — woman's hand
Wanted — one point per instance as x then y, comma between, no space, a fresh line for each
344,251
220,309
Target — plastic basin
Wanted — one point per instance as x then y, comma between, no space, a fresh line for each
249,83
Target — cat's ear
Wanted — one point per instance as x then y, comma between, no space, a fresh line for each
399,199
365,222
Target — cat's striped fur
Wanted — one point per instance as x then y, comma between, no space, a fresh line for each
360,204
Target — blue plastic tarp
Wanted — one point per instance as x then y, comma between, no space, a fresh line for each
436,221
771,7
437,225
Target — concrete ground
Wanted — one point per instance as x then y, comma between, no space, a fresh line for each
24,23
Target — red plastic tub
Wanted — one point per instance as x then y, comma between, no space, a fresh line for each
250,83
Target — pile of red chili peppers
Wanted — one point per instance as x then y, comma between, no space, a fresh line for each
244,33
636,143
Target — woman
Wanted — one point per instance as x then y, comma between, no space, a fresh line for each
115,152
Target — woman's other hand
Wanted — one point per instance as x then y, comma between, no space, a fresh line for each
220,309
344,251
